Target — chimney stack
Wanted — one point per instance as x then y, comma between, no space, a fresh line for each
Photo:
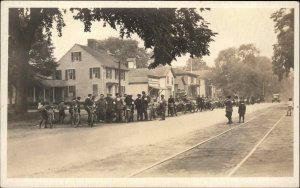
92,43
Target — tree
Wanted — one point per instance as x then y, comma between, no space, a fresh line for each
195,64
242,71
283,55
25,33
124,49
170,32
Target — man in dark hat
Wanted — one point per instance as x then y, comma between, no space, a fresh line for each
101,108
88,103
145,101
228,109
138,105
242,110
109,108
61,112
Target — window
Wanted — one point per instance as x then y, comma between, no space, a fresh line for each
57,75
122,74
95,73
95,89
76,56
108,73
70,74
71,91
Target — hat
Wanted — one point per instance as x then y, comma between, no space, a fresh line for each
78,98
138,94
89,95
143,92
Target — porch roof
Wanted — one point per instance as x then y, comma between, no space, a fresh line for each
52,83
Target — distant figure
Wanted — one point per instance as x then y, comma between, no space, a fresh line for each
290,107
61,112
87,104
101,108
138,105
119,107
162,106
228,109
109,108
145,101
43,114
242,110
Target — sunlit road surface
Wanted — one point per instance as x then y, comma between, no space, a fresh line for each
134,149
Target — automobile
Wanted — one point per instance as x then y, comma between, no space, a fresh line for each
276,98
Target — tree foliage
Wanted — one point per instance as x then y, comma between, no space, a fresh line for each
195,64
124,49
170,32
283,55
242,71
30,41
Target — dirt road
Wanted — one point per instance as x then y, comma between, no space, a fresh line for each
119,150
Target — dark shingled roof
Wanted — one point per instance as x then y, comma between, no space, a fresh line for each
106,59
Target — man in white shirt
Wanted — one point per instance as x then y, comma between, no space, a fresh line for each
290,107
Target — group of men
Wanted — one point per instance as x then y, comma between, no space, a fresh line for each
229,110
107,108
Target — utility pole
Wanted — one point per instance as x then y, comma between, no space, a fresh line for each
119,78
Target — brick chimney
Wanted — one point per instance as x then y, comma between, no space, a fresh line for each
92,43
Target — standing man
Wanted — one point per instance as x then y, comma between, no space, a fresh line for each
87,104
61,112
109,108
171,106
163,105
138,105
119,107
145,102
228,109
101,108
242,110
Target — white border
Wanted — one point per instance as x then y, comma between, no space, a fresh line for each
144,182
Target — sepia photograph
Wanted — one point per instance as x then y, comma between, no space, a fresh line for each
149,94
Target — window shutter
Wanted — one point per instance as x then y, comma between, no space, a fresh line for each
91,73
73,74
99,73
72,56
66,74
79,56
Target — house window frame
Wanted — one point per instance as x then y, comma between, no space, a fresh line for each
70,91
95,72
76,56
70,73
108,73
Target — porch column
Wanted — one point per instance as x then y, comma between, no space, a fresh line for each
44,94
53,91
34,99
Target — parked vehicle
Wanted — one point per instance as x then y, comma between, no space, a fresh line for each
276,98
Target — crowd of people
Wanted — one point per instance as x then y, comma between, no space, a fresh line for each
108,109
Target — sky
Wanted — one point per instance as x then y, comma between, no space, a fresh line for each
235,26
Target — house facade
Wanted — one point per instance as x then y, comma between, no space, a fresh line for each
186,83
81,71
155,82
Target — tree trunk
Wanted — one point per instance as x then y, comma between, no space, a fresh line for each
22,71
